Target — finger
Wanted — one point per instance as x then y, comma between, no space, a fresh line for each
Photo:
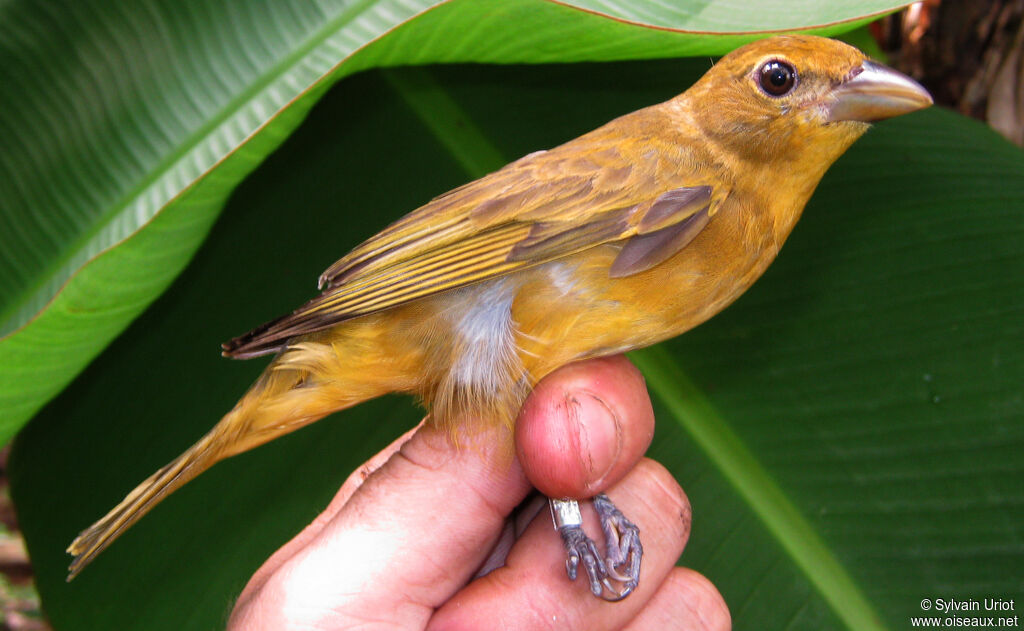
361,474
685,601
410,536
584,427
299,541
532,589
513,529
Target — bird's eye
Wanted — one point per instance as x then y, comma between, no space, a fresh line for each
777,78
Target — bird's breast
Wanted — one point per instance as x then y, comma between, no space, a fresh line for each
571,309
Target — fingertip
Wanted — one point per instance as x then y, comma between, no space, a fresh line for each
685,600
651,498
584,426
704,602
567,441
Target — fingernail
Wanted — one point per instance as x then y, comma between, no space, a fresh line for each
599,435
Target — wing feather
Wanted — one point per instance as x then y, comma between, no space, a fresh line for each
596,189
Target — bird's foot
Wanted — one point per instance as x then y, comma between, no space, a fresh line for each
612,577
622,545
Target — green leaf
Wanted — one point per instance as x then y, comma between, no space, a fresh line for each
848,440
734,461
127,126
875,370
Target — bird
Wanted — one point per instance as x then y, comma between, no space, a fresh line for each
628,235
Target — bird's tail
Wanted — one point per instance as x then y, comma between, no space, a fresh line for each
289,395
97,537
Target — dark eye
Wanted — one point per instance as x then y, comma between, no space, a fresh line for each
777,78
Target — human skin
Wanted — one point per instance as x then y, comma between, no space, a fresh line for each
400,545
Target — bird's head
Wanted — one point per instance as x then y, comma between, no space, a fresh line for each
797,98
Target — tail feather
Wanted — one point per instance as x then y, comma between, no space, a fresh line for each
286,397
304,383
97,537
274,406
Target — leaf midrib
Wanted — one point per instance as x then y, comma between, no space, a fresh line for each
61,267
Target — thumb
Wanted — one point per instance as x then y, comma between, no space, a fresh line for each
584,427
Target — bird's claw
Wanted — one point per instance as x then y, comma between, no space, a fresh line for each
581,549
624,552
622,543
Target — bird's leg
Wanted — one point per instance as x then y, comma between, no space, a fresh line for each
578,546
623,541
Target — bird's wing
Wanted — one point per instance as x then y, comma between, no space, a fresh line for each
544,206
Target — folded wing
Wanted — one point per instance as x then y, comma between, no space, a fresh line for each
594,190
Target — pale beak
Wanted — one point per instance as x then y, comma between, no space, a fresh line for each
875,93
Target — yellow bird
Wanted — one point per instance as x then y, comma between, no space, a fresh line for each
623,237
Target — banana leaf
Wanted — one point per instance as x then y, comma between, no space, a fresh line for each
846,431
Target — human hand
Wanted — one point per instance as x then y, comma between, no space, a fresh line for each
402,544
